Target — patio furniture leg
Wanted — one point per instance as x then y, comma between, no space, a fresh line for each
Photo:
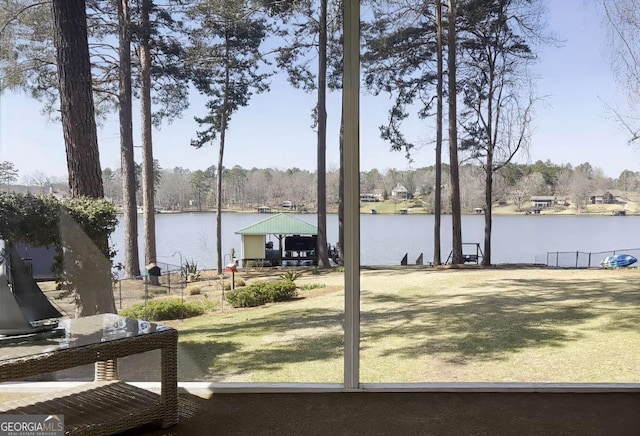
107,370
169,389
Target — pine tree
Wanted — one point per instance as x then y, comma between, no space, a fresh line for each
225,60
80,135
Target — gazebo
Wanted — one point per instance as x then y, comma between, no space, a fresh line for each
299,248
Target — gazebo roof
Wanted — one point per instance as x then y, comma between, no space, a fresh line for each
280,224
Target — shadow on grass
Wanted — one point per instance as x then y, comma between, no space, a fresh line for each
282,343
523,313
470,325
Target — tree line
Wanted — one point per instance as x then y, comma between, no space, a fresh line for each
180,189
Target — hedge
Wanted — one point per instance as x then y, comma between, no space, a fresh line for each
79,228
165,309
262,293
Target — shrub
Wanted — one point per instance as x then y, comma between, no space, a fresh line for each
262,293
226,285
255,264
246,297
165,309
291,276
189,271
194,290
309,286
280,291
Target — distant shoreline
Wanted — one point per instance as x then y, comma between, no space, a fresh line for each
418,207
498,211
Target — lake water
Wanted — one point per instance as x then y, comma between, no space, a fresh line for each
386,238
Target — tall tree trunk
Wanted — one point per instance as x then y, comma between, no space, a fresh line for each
131,257
219,202
341,193
81,141
438,188
223,134
323,256
488,213
456,218
76,98
147,144
491,146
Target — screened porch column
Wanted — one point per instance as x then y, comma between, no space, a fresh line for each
351,165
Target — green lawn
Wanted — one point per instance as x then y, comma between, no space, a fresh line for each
393,206
497,325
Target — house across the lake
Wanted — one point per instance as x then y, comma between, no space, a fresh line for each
606,197
400,192
542,201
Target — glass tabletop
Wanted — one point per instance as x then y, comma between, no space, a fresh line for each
79,332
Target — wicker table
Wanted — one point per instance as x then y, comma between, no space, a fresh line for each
106,405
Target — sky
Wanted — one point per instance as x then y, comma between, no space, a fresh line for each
572,124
